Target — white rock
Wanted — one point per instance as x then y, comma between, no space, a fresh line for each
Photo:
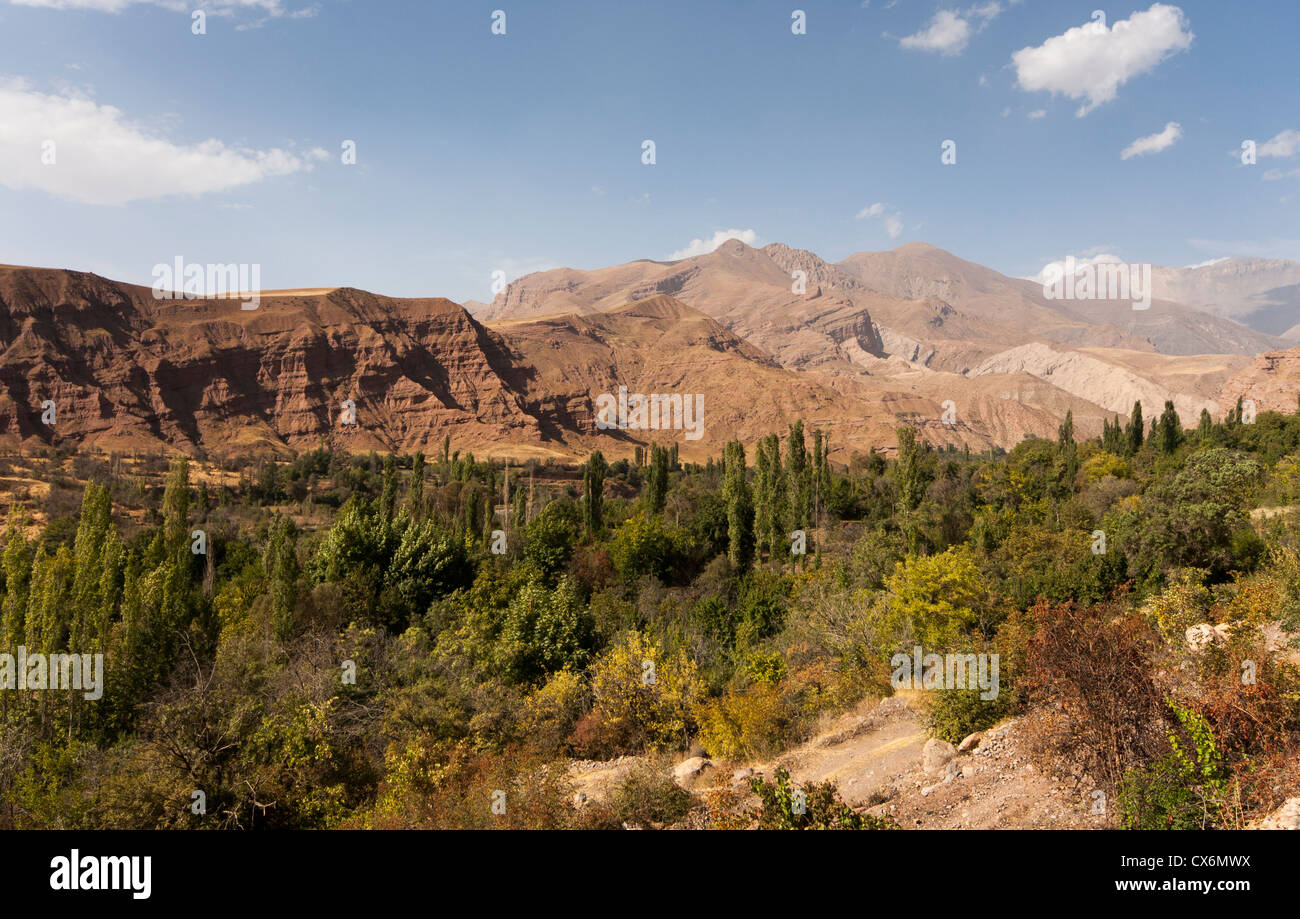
1202,635
692,772
936,754
1286,817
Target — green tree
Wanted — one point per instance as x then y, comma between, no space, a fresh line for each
779,499
764,484
909,484
740,509
799,479
1134,433
593,493
657,480
280,562
1170,429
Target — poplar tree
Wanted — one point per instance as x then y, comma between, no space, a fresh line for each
656,491
415,491
1134,433
593,491
763,486
910,486
740,510
799,478
778,498
1171,429
1206,426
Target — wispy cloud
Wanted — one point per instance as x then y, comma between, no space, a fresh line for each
1154,143
893,218
1285,144
949,31
273,9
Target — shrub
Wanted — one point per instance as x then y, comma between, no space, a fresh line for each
952,714
632,711
1181,791
647,797
741,726
1091,669
551,712
815,806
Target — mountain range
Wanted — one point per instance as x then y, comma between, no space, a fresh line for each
761,336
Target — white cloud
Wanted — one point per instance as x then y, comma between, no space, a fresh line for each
1285,144
1275,175
1091,62
1088,258
705,246
949,31
1207,264
100,157
1037,114
893,217
1154,143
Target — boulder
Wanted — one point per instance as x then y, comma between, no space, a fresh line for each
970,742
936,754
1202,635
693,772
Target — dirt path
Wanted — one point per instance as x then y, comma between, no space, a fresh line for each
874,757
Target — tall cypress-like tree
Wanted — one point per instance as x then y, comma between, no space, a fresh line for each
1065,433
1112,437
776,538
593,493
824,479
415,491
1170,429
909,483
740,510
763,484
1206,426
798,478
1069,449
1135,432
657,480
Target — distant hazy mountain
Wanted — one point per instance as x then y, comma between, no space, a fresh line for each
918,270
1261,293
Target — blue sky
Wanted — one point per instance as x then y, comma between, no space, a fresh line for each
479,152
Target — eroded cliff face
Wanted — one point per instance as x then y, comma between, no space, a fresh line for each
1272,382
115,369
126,371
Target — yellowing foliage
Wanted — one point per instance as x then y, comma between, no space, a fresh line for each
741,726
641,705
937,597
